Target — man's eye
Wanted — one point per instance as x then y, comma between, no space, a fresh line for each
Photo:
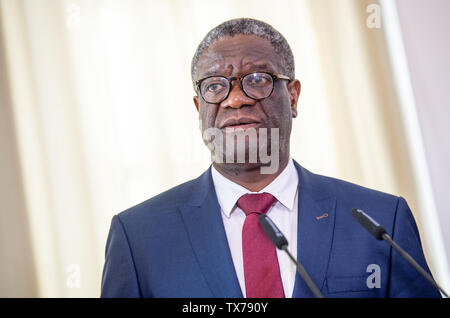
214,87
258,80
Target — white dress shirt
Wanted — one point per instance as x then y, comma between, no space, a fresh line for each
283,213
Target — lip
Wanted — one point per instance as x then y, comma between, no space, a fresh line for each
241,126
240,122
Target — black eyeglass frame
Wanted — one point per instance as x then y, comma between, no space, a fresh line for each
230,80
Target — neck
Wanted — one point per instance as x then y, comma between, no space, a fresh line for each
247,176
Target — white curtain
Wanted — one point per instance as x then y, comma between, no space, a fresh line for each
101,103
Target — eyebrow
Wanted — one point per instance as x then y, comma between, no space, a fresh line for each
210,73
264,66
251,66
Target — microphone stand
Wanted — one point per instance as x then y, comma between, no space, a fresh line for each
304,274
411,260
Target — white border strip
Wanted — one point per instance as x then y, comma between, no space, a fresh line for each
428,218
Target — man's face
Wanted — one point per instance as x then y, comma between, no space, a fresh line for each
238,56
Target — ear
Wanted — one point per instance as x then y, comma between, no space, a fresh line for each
195,98
294,88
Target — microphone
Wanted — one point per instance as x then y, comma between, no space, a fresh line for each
280,242
381,234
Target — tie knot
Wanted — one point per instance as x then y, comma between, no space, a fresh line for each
256,202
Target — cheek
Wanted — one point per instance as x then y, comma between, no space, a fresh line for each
208,114
278,110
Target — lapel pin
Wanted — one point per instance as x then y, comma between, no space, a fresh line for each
322,216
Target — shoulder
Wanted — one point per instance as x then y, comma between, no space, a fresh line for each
345,189
338,187
167,202
350,195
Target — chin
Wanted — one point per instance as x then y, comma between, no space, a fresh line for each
236,168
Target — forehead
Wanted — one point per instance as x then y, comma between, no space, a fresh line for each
237,54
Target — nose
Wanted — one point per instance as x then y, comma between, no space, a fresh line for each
237,98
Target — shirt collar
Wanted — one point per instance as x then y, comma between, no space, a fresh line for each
283,188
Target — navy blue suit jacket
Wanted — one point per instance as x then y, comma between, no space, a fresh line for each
174,245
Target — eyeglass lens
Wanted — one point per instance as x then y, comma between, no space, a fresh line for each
255,85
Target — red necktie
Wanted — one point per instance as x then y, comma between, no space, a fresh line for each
261,269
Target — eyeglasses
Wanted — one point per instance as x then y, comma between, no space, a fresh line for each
257,85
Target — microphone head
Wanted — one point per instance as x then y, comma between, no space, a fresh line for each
369,224
275,235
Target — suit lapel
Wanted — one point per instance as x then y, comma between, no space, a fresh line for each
203,221
316,217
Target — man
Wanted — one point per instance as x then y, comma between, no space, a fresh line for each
203,238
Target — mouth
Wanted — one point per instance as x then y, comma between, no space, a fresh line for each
240,122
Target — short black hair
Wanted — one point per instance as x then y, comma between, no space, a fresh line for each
247,26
